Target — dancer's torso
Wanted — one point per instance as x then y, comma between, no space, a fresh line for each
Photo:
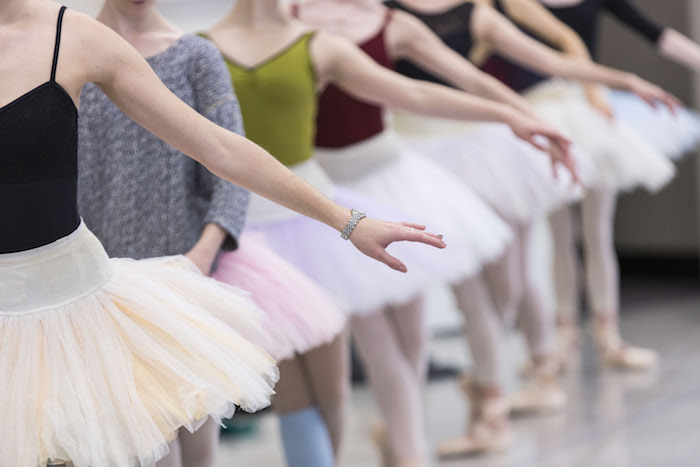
344,120
278,101
38,155
453,26
139,195
584,19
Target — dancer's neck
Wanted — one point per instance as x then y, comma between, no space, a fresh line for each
144,28
256,14
128,21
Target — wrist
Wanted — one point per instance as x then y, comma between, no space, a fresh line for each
629,81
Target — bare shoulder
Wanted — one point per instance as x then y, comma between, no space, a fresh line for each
91,44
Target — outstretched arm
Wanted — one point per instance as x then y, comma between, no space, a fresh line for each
341,62
534,17
414,41
127,79
503,36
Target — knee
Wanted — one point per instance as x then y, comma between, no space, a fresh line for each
200,455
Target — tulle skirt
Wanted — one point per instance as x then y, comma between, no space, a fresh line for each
301,315
103,360
622,159
385,169
674,135
514,178
363,285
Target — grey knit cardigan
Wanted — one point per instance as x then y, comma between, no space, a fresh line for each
141,197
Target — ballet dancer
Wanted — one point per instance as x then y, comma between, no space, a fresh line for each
598,207
87,339
139,210
359,152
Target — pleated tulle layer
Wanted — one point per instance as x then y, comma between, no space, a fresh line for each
362,284
673,134
385,169
513,177
622,159
301,315
107,378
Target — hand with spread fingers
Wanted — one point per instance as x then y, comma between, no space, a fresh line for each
372,237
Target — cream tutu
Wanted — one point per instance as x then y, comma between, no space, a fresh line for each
362,284
674,135
622,159
301,316
512,176
383,168
104,360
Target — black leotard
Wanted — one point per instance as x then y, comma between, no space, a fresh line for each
38,156
583,19
452,26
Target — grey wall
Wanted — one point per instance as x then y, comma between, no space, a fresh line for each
665,224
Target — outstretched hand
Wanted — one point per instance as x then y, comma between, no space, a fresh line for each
545,138
653,94
372,237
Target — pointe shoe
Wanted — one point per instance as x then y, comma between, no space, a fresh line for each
381,441
489,430
617,354
567,345
567,351
543,394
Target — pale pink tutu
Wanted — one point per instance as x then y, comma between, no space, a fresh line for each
301,316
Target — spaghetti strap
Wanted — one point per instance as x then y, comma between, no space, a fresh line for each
58,43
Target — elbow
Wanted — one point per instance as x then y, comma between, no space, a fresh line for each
417,96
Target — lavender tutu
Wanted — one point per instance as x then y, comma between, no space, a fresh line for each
674,135
385,169
362,284
512,176
301,316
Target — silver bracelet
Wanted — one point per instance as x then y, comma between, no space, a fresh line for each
355,218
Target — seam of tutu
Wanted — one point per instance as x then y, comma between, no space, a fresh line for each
77,298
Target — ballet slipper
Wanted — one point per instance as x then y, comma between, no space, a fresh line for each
617,354
568,340
567,350
489,429
381,441
543,394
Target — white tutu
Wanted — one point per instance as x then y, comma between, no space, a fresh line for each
362,284
104,360
622,159
385,169
674,135
512,176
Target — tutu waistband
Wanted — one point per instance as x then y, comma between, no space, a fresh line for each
263,211
53,275
555,89
412,126
354,161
